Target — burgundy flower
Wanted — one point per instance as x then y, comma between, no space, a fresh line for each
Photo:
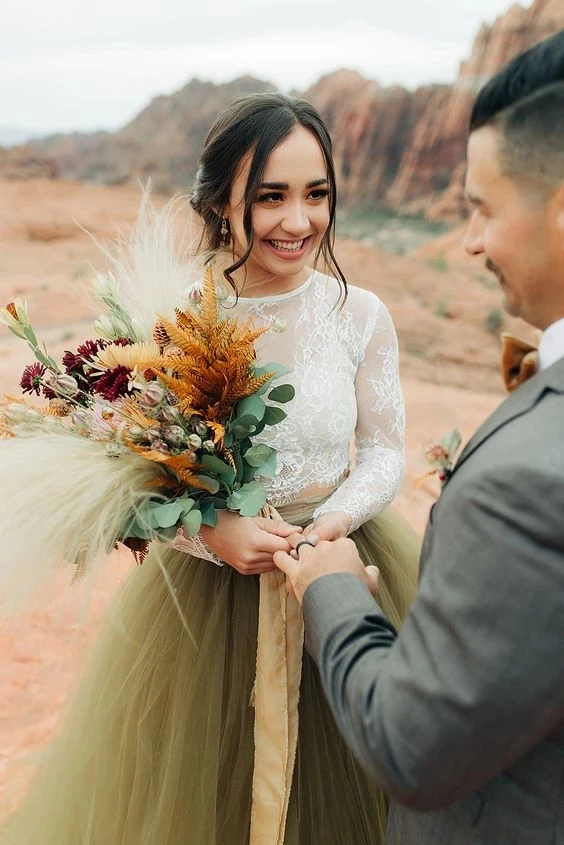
31,378
79,364
122,341
90,348
112,383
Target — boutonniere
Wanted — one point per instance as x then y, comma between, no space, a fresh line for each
441,455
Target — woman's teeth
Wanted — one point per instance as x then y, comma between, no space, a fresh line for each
288,246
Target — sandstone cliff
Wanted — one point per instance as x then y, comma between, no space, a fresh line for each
394,148
162,142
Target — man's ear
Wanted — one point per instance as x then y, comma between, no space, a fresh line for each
557,202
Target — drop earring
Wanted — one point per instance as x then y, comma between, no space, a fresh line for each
225,234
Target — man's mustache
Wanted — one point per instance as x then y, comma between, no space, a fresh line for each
493,268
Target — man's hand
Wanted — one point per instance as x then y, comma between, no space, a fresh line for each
327,558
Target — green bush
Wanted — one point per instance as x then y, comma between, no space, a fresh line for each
493,321
439,263
443,309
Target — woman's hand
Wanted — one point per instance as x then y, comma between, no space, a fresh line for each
329,526
248,544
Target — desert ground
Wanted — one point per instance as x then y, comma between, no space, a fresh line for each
439,300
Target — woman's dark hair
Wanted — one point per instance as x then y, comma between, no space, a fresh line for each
257,123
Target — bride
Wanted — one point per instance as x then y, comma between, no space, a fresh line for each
158,747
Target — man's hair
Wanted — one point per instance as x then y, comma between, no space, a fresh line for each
524,101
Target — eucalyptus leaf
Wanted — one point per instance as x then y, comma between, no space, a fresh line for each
273,415
168,514
282,393
209,514
249,473
187,504
212,484
239,465
138,528
165,534
268,468
260,427
242,426
257,455
192,522
278,371
218,467
252,405
249,499
239,432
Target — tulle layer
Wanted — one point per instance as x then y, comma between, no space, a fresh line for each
157,748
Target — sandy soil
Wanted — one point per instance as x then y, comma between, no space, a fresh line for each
450,380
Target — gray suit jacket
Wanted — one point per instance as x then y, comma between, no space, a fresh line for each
461,717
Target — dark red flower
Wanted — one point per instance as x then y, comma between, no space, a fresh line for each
122,341
48,393
112,383
31,378
90,348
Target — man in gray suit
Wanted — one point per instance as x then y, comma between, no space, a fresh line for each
461,717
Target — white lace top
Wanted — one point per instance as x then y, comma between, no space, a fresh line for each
344,367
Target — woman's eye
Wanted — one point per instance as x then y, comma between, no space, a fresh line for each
319,194
274,196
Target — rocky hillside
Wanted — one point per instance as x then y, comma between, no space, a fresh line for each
394,148
161,143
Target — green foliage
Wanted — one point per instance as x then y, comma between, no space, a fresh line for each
494,321
439,262
443,308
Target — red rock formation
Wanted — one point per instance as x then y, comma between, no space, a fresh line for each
441,135
372,127
162,142
406,150
393,148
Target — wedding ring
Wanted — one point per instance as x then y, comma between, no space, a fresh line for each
303,543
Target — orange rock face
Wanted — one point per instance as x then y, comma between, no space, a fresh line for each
440,139
405,150
394,148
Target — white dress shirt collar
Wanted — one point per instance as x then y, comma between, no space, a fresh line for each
551,346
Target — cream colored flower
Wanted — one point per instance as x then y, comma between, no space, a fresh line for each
136,355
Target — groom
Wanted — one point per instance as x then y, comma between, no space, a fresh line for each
461,717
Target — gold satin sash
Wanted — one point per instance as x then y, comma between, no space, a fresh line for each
277,692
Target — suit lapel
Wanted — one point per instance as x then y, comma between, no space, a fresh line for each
516,404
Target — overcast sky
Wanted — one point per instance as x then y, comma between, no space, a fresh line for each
74,64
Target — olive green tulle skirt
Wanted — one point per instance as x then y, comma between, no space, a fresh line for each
157,748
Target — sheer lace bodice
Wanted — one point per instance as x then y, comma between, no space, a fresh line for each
344,366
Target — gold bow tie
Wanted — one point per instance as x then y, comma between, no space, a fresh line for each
519,360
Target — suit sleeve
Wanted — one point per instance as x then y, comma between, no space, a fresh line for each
475,679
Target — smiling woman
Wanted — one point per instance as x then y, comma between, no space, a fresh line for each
163,745
271,210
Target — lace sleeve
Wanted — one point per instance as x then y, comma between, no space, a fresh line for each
379,433
193,546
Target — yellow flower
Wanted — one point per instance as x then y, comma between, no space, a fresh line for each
136,355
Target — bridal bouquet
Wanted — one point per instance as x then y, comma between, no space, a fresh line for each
141,435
